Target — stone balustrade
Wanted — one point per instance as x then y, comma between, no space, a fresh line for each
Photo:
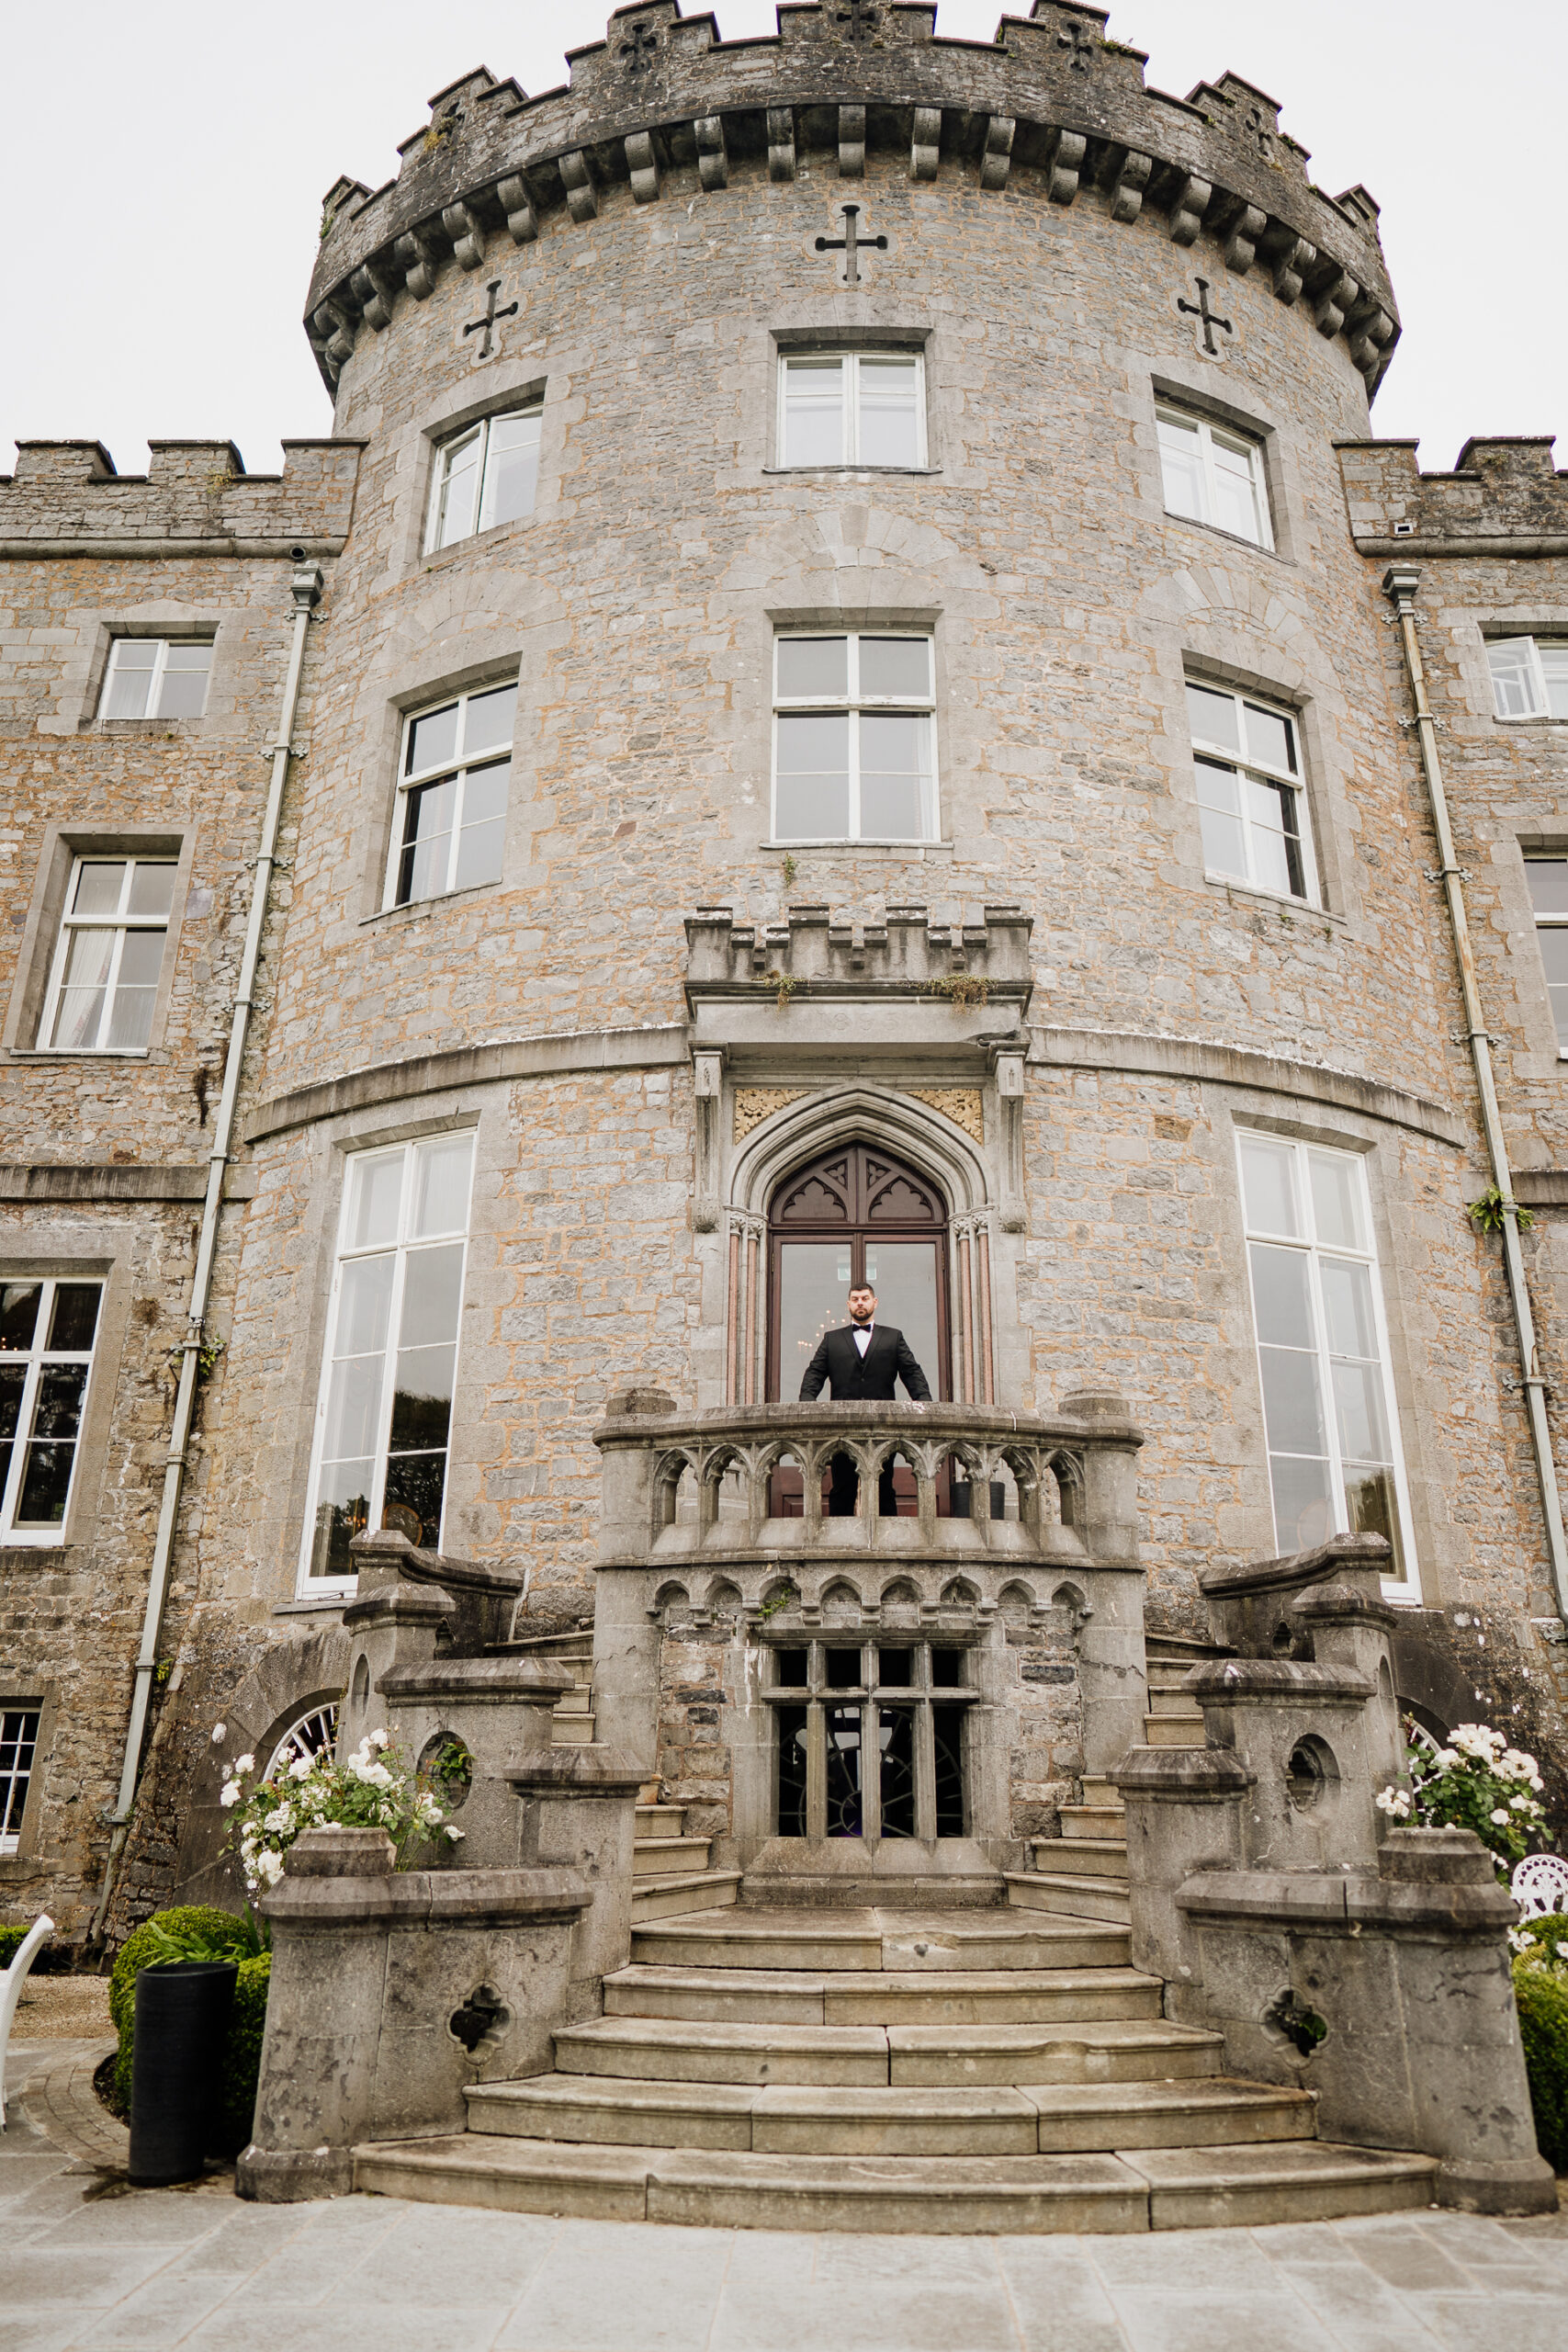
1066,1479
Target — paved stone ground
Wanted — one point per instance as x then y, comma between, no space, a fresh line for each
89,2265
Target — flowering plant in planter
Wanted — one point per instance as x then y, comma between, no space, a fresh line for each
373,1789
1477,1783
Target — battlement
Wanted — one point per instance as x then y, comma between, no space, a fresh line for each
65,498
910,952
1504,496
1051,107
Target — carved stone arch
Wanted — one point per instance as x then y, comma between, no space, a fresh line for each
669,1598
839,1598
1016,1602
803,1130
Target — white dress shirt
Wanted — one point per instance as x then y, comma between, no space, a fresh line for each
862,1332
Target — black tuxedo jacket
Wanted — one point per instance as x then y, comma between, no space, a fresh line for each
888,1359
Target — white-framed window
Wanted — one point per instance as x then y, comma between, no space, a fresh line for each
1251,804
1334,1464
383,1418
156,677
854,738
104,981
19,1746
313,1734
46,1330
452,788
851,408
1547,879
1530,676
1212,475
487,475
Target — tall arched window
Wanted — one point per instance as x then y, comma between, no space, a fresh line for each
856,1215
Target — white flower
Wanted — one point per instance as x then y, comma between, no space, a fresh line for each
244,1764
1522,1805
301,1768
229,1794
220,1734
270,1866
1394,1802
1561,1949
1446,1758
1498,1816
377,1739
454,1833
281,1819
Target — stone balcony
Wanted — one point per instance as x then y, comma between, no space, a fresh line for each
1019,1485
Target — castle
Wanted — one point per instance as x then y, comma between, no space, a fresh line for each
853,698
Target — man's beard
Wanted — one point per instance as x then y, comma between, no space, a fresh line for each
861,1314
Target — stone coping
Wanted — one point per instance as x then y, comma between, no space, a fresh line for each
1321,1565
989,1424
1276,1682
479,1681
1325,1901
428,1899
1049,109
668,1044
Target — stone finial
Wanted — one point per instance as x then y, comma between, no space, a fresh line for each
645,1404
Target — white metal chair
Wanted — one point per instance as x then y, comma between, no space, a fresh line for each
11,1980
1540,1885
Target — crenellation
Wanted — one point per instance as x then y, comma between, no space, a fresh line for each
1505,490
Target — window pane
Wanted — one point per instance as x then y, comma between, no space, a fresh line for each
130,677
1267,1182
1282,1296
814,412
364,1304
422,1401
512,470
18,1315
151,890
1554,674
432,1293
182,693
480,849
130,1015
813,779
792,1739
1513,677
415,1487
896,668
1270,739
1548,880
433,740
889,417
460,490
57,1418
1303,1514
75,1318
1225,848
13,1380
46,1484
1212,717
376,1182
1274,864
813,668
80,1012
489,721
1553,945
100,883
1357,1412
1292,1409
893,767
1336,1201
1181,468
896,1739
1236,500
342,1511
1347,1308
427,841
354,1407
441,1186
1372,1508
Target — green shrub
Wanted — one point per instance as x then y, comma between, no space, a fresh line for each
11,1943
242,2056
141,1948
50,1959
1542,1997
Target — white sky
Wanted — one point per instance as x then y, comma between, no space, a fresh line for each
163,169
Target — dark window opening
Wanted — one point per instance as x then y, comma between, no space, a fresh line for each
792,1771
896,1739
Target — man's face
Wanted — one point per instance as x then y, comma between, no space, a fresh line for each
862,1306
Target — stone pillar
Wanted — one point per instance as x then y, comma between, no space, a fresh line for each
500,1710
372,1970
1184,1814
1112,1666
392,1623
579,1814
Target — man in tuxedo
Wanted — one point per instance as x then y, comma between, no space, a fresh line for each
862,1359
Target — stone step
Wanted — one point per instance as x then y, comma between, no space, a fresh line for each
1082,1857
667,1856
1132,2041
1068,1896
1174,1731
1094,1821
818,1940
574,1703
760,1996
1157,2188
1099,1790
572,1731
1173,1702
986,2119
660,1820
668,1898
1184,1647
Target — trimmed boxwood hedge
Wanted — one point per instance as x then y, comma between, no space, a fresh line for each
242,2050
1542,1997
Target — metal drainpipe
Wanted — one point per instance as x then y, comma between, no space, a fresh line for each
306,588
1400,584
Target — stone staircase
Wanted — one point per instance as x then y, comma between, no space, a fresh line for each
952,2071
670,1871
1082,1873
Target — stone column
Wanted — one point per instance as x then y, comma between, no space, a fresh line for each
1112,1665
1184,1816
579,1814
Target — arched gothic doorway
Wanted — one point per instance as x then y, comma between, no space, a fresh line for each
856,1215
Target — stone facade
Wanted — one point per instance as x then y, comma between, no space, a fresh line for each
1056,960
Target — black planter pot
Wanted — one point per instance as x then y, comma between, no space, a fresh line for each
182,2016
